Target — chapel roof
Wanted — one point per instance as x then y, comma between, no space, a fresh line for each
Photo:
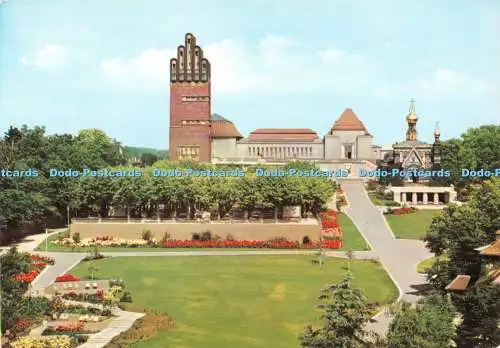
348,121
460,283
269,134
223,128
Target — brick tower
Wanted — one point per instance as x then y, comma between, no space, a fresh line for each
190,104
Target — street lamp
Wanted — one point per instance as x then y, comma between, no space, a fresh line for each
67,213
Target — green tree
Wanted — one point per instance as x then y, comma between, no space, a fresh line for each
458,232
345,314
429,325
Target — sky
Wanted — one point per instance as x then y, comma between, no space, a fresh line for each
68,65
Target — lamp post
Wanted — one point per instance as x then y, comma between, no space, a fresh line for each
46,239
67,213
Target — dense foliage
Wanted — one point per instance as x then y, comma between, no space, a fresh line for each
429,325
144,196
16,307
458,232
345,314
42,197
476,149
28,200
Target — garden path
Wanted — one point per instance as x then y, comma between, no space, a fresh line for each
399,256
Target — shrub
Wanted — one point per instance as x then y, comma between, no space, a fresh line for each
147,235
306,240
206,236
278,239
195,237
203,237
166,236
389,196
76,238
230,237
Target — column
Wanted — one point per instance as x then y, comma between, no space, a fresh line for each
436,198
414,198
425,198
403,196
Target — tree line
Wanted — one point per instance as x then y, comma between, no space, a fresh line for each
35,199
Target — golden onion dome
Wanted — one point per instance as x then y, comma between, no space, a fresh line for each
412,117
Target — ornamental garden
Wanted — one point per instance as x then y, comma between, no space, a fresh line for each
65,314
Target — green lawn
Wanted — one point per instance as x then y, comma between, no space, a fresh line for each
412,226
236,301
424,265
381,202
353,240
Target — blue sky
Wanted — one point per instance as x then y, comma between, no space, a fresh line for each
70,64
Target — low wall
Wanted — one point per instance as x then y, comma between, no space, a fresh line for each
183,231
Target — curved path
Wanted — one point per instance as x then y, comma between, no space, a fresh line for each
399,256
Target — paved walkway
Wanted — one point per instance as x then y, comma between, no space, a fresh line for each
399,256
29,243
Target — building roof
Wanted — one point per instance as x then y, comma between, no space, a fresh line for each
492,249
223,128
348,121
459,283
270,134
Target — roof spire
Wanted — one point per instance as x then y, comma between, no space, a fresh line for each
437,133
412,106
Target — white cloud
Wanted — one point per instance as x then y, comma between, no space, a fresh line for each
49,57
277,63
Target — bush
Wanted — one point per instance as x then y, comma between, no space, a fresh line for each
166,236
204,236
306,240
230,237
76,238
389,196
278,239
147,235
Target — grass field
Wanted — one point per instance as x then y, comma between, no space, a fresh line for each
412,226
424,265
236,301
353,240
381,202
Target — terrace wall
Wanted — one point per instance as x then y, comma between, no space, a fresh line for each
184,231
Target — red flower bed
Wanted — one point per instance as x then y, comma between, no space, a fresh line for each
23,324
40,258
70,327
244,244
328,215
402,211
27,277
103,239
67,278
100,294
326,224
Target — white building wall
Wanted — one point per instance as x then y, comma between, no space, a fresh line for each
364,147
224,148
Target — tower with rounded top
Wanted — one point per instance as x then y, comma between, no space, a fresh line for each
411,119
190,103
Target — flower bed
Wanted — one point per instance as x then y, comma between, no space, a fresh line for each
38,263
331,230
400,211
245,244
51,342
67,278
40,258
